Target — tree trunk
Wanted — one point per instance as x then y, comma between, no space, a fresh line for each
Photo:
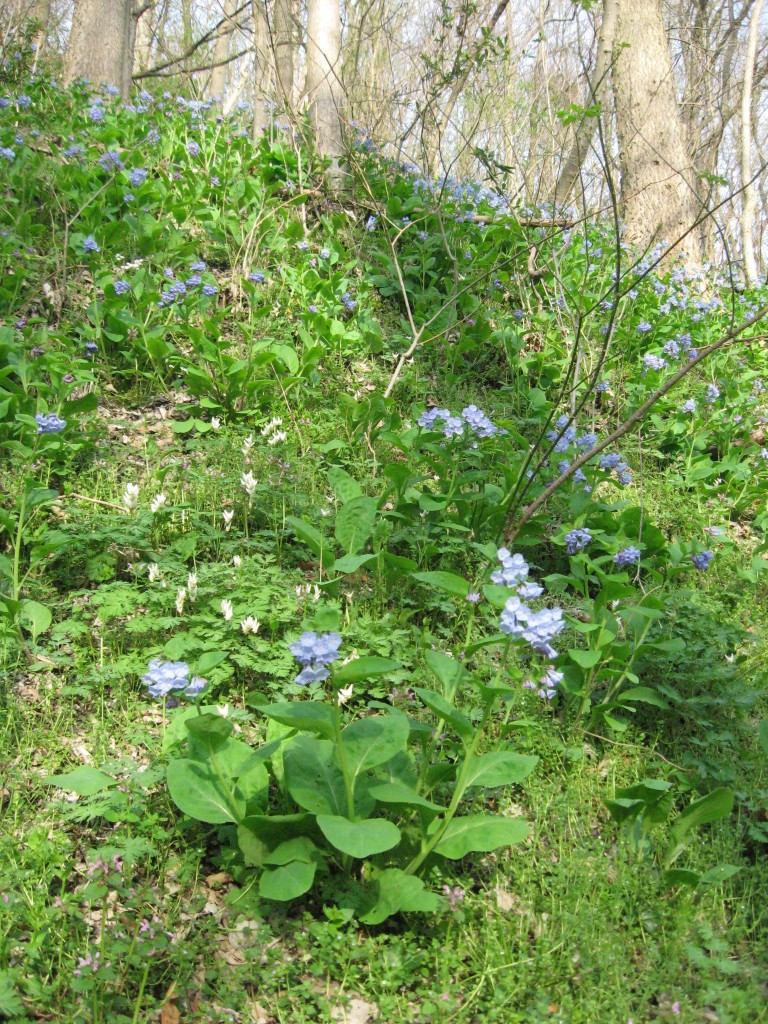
262,66
657,181
100,44
283,46
145,37
41,13
221,52
749,206
596,90
324,93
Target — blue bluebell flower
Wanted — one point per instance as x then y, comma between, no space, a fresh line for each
209,289
49,423
90,244
121,287
627,556
137,177
257,277
701,560
577,540
193,148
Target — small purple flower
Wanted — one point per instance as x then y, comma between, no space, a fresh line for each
577,540
302,246
643,327
137,177
257,277
193,281
701,560
713,393
602,386
90,244
689,405
653,362
111,161
311,309
91,348
472,597
8,154
626,557
193,148
325,254
49,424
209,289
121,287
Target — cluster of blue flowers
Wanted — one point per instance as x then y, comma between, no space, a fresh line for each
111,161
628,556
49,423
315,652
577,540
453,426
701,560
349,303
90,244
165,676
614,463
538,628
177,290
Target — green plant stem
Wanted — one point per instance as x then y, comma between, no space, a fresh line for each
140,993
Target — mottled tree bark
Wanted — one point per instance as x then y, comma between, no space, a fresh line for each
324,94
658,194
283,45
262,67
749,207
221,52
100,44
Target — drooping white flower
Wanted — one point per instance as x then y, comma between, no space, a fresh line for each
181,594
249,484
277,437
153,572
344,695
215,422
237,561
228,515
192,586
131,497
157,502
272,425
248,445
226,609
250,624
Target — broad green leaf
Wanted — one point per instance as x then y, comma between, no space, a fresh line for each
644,694
35,617
400,892
681,876
370,742
399,793
198,792
354,523
351,563
447,670
209,660
440,706
273,829
312,775
253,786
313,539
309,716
500,768
288,881
719,873
448,582
83,780
479,833
586,659
713,807
364,668
300,848
211,729
359,839
342,485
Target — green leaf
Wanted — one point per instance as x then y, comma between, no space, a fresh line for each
212,729
300,848
440,706
448,671
351,563
400,892
370,742
354,523
586,659
681,876
644,694
198,792
364,668
288,881
359,839
763,735
209,660
313,539
84,780
342,485
312,775
500,768
36,617
309,716
478,833
713,807
399,793
446,581
719,873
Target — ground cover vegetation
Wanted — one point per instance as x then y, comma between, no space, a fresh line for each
319,698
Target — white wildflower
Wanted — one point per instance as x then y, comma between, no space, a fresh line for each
228,514
215,423
157,502
226,609
250,624
249,484
248,445
192,586
272,425
352,657
277,437
131,497
237,561
153,572
181,595
344,695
